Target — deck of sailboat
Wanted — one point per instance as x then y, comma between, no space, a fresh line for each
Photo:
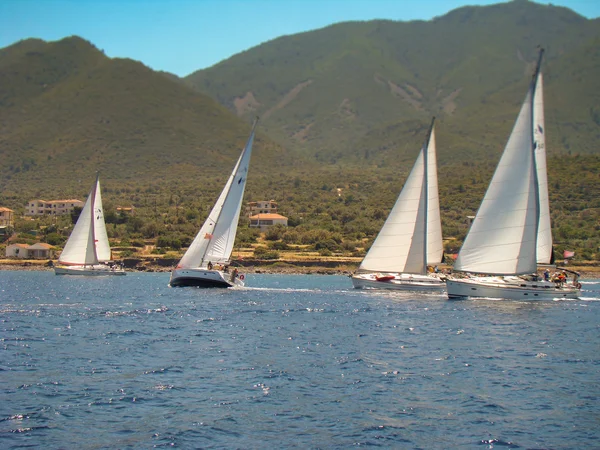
95,270
510,288
399,281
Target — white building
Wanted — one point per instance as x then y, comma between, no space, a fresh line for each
17,251
6,217
262,207
39,207
40,250
264,221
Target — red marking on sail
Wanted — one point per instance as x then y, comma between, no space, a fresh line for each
208,236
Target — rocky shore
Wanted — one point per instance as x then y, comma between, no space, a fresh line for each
246,266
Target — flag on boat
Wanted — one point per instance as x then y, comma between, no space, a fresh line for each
568,254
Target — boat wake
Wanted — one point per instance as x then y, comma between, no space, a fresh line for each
276,289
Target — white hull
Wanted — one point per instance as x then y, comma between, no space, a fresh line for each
97,270
205,278
400,282
510,288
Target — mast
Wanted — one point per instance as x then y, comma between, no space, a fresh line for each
425,191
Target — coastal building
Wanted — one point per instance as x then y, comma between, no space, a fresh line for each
40,250
6,217
39,207
17,251
264,221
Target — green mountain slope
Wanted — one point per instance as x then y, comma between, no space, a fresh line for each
66,111
339,93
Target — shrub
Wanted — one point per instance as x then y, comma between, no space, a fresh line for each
264,253
55,239
279,245
328,244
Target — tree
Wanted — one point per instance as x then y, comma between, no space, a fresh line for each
75,213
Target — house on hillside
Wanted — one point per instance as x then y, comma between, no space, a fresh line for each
39,207
17,251
264,221
6,217
40,250
262,207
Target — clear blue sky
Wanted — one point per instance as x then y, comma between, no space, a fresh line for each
181,36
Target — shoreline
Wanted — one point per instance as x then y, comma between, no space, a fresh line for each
312,267
270,267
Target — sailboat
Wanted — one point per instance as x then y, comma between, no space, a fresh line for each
87,251
411,237
511,233
206,261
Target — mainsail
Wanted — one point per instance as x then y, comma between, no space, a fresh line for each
214,242
411,236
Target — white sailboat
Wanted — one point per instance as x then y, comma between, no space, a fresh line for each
511,232
87,251
411,237
213,244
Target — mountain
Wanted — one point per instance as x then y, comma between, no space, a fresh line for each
67,110
354,92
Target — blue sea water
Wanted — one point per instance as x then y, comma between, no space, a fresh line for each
292,361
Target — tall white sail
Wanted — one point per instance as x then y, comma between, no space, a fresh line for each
503,237
401,244
80,247
101,238
435,245
215,240
544,238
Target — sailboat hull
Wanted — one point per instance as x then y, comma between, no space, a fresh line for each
96,270
510,288
204,278
399,282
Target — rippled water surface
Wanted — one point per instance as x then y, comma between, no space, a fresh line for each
290,362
